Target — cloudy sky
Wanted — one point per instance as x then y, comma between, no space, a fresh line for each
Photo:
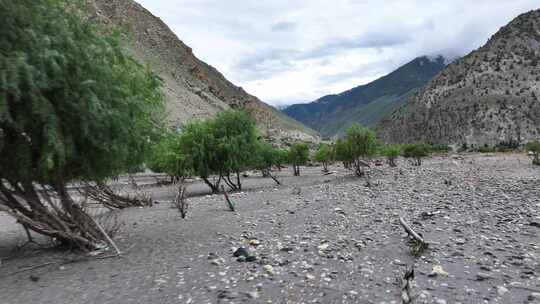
293,51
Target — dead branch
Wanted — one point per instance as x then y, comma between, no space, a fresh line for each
410,231
179,200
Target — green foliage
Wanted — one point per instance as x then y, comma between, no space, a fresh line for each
170,156
534,148
416,152
73,104
487,149
266,156
298,155
341,151
324,155
360,145
440,148
236,139
391,152
221,146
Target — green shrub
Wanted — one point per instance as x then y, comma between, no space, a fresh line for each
440,148
416,152
487,149
534,148
324,155
298,155
360,145
391,152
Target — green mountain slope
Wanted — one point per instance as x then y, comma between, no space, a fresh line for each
366,104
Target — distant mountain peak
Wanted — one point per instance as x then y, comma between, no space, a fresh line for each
366,104
488,97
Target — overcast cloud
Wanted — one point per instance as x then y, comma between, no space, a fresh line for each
286,51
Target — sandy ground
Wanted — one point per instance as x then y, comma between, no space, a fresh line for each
315,239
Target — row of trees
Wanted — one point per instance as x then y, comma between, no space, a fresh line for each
218,151
360,145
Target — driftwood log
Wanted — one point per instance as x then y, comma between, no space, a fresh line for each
411,232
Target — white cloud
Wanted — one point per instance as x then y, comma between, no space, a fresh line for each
297,51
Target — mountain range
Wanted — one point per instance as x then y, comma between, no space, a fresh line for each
193,88
367,104
489,97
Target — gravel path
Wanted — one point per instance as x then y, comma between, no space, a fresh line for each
316,239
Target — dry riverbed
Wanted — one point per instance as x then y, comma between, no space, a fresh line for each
315,239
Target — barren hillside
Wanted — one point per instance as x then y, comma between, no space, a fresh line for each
194,88
488,97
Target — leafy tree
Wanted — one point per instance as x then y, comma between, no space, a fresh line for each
265,158
170,157
236,138
342,152
324,155
298,155
282,157
534,147
199,144
361,145
73,106
416,152
391,152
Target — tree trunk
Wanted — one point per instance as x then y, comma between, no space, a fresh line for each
52,213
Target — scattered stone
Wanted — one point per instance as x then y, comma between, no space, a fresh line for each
241,252
501,290
437,270
269,269
482,276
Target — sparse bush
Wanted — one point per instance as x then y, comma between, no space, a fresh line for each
298,155
391,153
440,148
534,148
416,152
487,149
324,155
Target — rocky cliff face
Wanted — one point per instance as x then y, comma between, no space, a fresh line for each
367,104
490,96
194,89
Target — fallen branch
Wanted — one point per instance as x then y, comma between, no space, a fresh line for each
106,236
411,232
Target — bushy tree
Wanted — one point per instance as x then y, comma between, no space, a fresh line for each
236,142
200,145
391,152
361,145
342,152
416,152
298,155
73,106
265,158
534,148
324,155
170,157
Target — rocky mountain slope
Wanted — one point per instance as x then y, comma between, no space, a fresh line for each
366,104
491,96
194,88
